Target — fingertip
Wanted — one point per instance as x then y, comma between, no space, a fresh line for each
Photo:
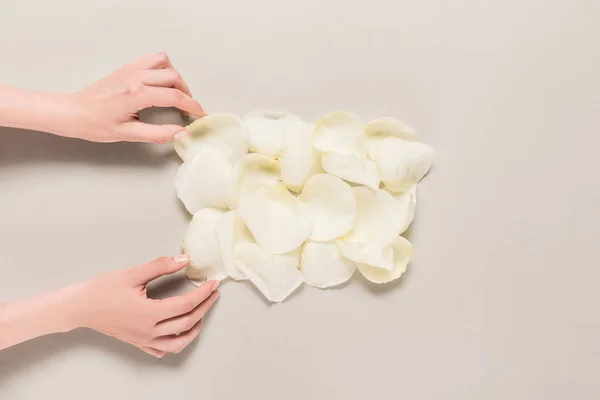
201,113
168,265
212,285
162,56
186,89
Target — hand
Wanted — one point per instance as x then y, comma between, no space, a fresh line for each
116,305
107,111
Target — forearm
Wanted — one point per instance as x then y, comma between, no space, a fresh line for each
46,314
39,111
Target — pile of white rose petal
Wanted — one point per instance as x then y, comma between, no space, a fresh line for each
279,201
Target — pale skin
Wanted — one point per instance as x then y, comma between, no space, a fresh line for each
114,303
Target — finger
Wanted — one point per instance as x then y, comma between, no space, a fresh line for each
143,274
154,352
169,65
170,97
150,61
180,305
135,131
176,343
168,77
185,322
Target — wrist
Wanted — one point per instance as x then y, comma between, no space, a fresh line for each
67,308
39,111
54,312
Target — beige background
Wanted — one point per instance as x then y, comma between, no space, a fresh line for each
502,300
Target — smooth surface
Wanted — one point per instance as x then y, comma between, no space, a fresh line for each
502,300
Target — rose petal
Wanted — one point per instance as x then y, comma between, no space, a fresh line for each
266,128
201,246
276,276
323,266
407,203
299,160
402,163
230,232
352,168
403,251
333,206
203,181
374,255
252,169
384,127
379,218
340,132
278,221
223,132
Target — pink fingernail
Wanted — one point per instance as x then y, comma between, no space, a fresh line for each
181,259
216,285
181,134
217,295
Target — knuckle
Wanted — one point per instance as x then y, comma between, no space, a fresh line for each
188,305
162,139
173,75
162,57
187,323
178,96
146,336
168,348
133,90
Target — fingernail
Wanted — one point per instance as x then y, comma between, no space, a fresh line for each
181,259
216,296
216,285
180,134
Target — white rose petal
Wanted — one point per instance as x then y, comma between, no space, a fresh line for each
266,129
278,221
201,246
322,265
299,160
407,203
403,251
352,168
384,127
379,218
381,128
230,232
402,163
252,169
203,180
223,132
276,276
374,255
333,206
340,132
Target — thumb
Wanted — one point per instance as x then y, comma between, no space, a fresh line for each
136,131
143,274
